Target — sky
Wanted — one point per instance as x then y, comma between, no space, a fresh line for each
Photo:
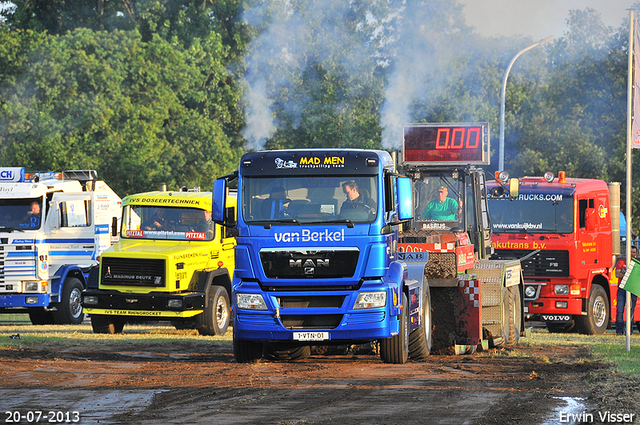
536,18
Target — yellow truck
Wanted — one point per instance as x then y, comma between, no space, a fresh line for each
171,263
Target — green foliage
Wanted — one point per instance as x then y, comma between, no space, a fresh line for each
141,113
572,121
182,19
149,92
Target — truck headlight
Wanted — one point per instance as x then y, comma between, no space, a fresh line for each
561,289
251,301
31,286
371,300
529,291
90,300
176,303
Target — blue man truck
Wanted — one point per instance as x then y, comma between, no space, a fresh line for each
318,259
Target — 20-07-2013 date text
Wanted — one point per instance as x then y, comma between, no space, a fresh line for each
41,416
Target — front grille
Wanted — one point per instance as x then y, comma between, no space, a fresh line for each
311,302
365,318
316,321
133,272
551,263
309,264
17,262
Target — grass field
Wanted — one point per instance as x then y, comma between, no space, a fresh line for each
162,332
607,347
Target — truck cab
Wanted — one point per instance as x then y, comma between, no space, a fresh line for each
476,301
53,228
171,263
561,228
316,256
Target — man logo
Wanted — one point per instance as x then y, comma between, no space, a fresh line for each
309,263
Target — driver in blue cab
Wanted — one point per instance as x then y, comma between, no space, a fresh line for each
355,200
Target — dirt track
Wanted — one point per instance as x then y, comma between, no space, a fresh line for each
175,383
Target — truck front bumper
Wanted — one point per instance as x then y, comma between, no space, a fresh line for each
310,324
24,300
155,304
554,307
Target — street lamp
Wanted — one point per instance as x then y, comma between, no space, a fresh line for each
504,89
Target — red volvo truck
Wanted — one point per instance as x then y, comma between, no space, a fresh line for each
566,232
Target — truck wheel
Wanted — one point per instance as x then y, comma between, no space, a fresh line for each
395,349
283,351
515,315
420,339
215,318
69,309
597,318
247,351
102,324
40,316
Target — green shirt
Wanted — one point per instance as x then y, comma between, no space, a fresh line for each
437,210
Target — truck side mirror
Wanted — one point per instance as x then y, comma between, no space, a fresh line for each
114,226
53,216
405,199
514,187
219,200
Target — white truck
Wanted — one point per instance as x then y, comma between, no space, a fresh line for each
53,228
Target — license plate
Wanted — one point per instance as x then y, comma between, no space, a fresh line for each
555,318
310,336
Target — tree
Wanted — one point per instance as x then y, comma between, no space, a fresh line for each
184,20
577,117
141,113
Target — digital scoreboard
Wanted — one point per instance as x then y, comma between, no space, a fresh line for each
446,143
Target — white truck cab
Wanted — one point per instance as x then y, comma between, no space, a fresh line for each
53,228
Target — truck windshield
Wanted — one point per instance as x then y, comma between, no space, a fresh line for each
532,213
310,199
438,201
20,214
151,222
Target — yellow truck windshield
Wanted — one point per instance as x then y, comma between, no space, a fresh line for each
155,222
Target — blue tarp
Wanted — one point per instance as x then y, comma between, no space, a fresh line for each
623,226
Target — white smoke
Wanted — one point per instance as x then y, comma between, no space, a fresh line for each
291,40
276,57
398,34
425,41
259,115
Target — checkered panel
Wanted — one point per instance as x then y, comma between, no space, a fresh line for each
471,289
440,247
